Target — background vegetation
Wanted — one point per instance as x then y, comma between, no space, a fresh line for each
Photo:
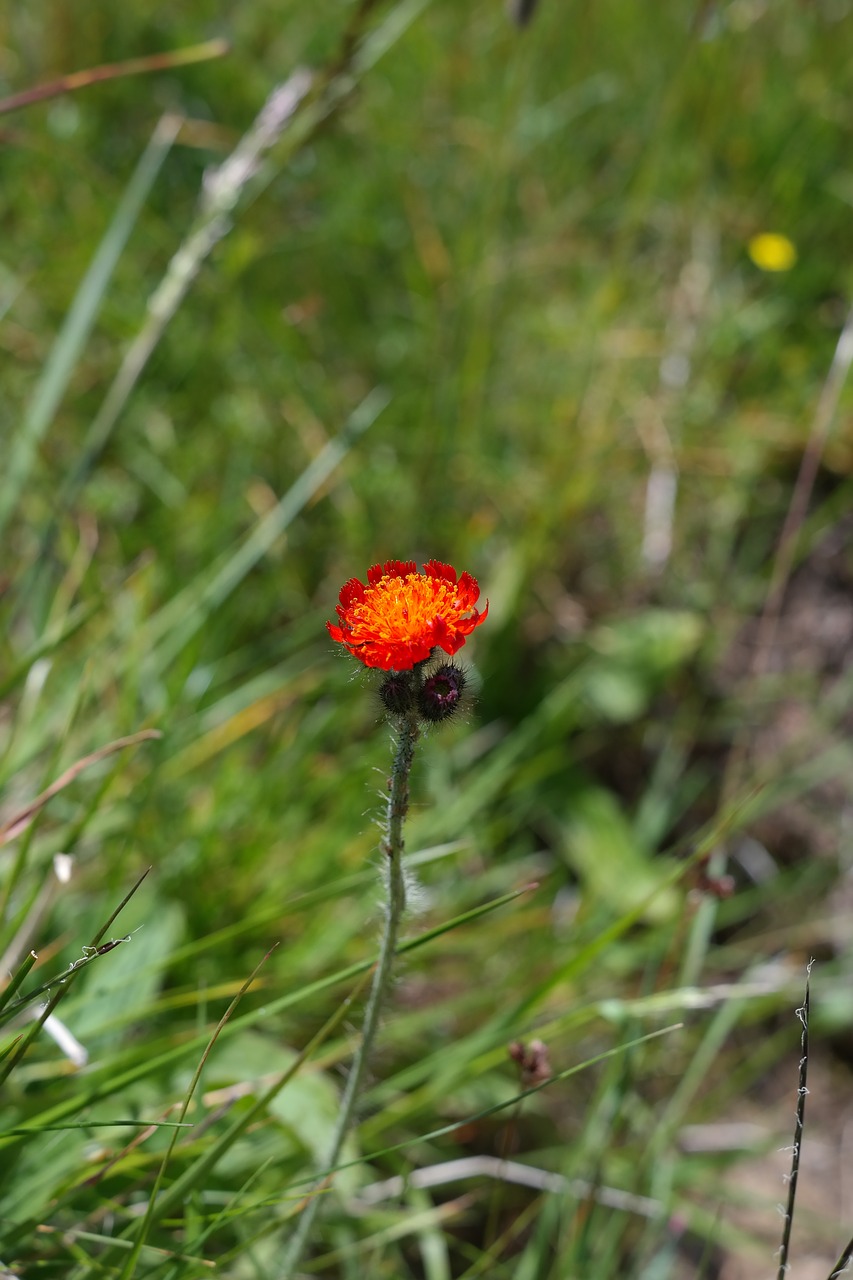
487,297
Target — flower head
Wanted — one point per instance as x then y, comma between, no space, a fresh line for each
771,251
402,615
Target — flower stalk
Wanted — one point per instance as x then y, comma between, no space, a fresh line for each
407,732
396,623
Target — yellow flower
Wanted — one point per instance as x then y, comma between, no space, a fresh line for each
771,251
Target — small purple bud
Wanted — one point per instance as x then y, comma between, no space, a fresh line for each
397,693
441,693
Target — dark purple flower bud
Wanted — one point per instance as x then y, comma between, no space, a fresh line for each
441,693
397,693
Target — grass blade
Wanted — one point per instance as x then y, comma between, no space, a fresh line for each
77,326
113,71
17,978
147,1222
187,612
96,952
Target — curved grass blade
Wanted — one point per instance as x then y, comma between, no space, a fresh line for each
16,979
96,951
19,821
184,615
72,337
114,71
841,1265
147,1222
211,224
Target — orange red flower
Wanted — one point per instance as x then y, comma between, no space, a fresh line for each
402,615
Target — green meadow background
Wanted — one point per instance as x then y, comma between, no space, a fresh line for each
488,296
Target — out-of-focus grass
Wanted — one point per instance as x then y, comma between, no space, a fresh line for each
528,254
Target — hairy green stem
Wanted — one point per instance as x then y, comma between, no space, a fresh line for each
392,848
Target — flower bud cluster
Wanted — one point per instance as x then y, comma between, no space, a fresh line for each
433,696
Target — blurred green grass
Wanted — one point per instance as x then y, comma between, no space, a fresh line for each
534,247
